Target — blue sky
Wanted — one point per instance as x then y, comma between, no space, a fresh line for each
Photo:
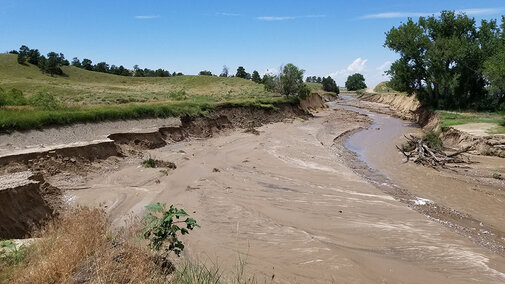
323,37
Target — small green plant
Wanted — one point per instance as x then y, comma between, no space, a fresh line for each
497,176
433,140
11,253
162,227
149,163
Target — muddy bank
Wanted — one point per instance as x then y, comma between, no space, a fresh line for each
26,201
27,204
408,108
404,107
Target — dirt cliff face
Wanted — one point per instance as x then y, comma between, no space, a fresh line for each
26,201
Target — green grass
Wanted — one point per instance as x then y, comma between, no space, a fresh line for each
82,96
21,119
79,87
448,119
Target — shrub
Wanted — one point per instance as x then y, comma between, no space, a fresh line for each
13,97
44,100
162,226
433,140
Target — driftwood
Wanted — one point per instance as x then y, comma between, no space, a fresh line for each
417,150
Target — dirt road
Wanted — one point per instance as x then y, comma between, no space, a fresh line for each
288,203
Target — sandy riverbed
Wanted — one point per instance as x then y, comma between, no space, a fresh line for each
287,203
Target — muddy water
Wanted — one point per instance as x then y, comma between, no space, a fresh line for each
286,202
472,191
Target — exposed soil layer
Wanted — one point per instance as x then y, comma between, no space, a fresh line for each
407,107
291,200
25,198
26,201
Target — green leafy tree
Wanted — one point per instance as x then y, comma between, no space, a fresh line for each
330,85
53,63
33,56
163,227
270,82
87,64
205,73
446,60
291,81
21,58
256,77
76,62
355,82
101,67
241,73
225,72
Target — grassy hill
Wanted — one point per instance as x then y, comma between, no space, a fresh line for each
87,96
81,87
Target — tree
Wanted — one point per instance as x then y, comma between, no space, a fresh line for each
445,60
33,56
225,72
256,77
87,64
101,67
329,85
205,73
270,82
241,73
21,58
319,80
291,80
53,63
355,82
76,62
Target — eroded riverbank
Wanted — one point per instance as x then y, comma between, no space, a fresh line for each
287,202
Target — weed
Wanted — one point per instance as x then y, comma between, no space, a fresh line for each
497,176
162,226
433,140
11,253
149,163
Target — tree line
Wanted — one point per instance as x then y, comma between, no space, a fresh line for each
450,62
52,63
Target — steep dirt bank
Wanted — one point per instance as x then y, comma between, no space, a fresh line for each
407,107
25,202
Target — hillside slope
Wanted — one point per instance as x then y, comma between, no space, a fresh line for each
80,87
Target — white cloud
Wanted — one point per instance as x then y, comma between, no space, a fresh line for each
469,12
272,18
357,65
340,76
227,14
384,66
285,18
146,17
